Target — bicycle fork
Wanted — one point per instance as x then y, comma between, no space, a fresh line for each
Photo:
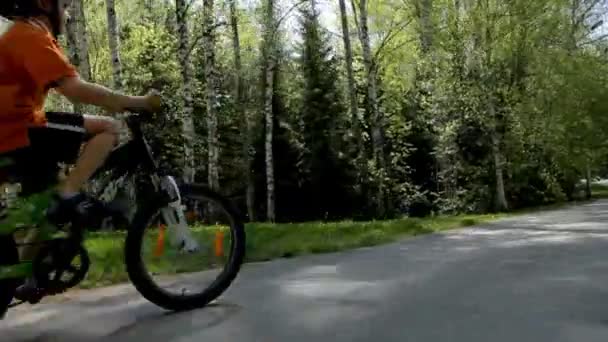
173,214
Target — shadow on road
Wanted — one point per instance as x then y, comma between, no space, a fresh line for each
121,322
172,325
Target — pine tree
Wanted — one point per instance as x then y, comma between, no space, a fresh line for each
323,116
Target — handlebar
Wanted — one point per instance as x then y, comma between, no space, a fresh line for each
137,111
136,117
154,100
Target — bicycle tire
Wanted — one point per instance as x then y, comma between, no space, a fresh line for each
146,286
9,255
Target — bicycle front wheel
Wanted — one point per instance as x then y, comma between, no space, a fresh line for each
184,266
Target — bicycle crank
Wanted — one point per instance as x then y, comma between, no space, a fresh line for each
60,266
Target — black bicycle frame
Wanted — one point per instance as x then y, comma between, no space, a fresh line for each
133,154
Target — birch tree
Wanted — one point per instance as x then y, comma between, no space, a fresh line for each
181,15
210,89
352,92
239,99
377,124
269,48
82,39
77,48
113,40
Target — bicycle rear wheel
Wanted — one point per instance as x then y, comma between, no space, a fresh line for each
9,255
152,261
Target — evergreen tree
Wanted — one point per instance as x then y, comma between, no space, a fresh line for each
323,122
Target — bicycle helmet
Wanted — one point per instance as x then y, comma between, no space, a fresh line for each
31,8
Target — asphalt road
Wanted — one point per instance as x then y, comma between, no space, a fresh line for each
536,278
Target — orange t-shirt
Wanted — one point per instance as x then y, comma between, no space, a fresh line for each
31,62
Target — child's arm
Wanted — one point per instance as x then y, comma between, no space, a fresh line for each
79,91
48,66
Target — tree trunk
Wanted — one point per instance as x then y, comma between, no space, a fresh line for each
125,189
588,192
210,89
186,71
239,97
82,40
352,92
361,155
113,40
269,45
270,190
426,25
74,50
500,197
373,107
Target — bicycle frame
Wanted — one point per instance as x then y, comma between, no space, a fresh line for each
125,159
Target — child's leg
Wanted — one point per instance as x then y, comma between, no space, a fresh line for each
104,132
67,131
103,136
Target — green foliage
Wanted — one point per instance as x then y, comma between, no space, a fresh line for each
27,212
326,183
526,75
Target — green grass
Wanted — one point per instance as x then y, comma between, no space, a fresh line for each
271,241
599,190
268,241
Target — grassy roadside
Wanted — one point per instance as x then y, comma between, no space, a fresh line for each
271,241
598,191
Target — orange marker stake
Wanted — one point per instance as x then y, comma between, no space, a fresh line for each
160,242
219,243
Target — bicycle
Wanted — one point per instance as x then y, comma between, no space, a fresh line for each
165,205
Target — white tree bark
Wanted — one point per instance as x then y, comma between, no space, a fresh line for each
114,41
352,93
125,188
82,39
374,109
239,99
74,49
186,71
269,45
210,89
270,186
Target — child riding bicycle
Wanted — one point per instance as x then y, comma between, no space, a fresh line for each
31,64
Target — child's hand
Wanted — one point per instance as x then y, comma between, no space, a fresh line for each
153,101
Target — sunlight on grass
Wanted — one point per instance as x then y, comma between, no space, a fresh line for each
264,242
599,190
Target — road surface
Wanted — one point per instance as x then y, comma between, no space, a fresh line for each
541,277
